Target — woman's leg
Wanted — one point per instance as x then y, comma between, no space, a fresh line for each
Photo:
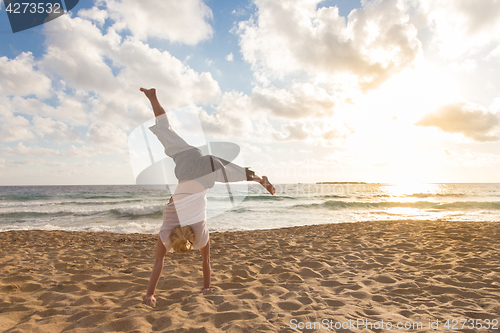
228,172
224,171
172,142
205,256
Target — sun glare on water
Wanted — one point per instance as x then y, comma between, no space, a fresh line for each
411,192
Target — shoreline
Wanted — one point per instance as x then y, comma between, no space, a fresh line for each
395,271
413,221
410,220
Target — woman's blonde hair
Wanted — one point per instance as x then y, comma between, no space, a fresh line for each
182,239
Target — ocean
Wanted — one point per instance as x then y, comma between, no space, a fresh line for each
138,208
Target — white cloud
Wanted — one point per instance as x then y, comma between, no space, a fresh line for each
239,12
93,77
230,57
470,120
180,84
88,151
292,132
244,116
106,134
94,14
469,158
301,101
19,77
70,109
177,21
474,158
15,128
81,151
256,116
494,54
5,151
462,26
39,163
114,69
54,129
21,149
235,116
84,151
250,117
78,52
336,133
42,171
250,148
289,37
466,66
448,152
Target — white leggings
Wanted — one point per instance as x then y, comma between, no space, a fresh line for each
190,162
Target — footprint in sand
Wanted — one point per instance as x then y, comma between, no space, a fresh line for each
179,294
161,324
305,300
290,277
89,320
216,299
289,305
334,303
84,301
359,294
126,325
231,285
379,299
384,279
330,283
309,273
227,306
248,295
173,283
267,268
311,264
108,286
223,318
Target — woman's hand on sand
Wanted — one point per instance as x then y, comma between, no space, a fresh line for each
150,300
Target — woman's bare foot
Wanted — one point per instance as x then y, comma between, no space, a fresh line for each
265,182
150,93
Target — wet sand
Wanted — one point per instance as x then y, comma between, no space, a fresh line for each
281,280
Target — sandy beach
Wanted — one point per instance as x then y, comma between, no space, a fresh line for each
280,280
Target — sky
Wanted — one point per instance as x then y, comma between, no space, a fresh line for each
386,91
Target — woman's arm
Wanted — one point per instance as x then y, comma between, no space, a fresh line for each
149,299
205,256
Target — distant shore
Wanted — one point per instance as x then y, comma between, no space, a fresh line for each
265,280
